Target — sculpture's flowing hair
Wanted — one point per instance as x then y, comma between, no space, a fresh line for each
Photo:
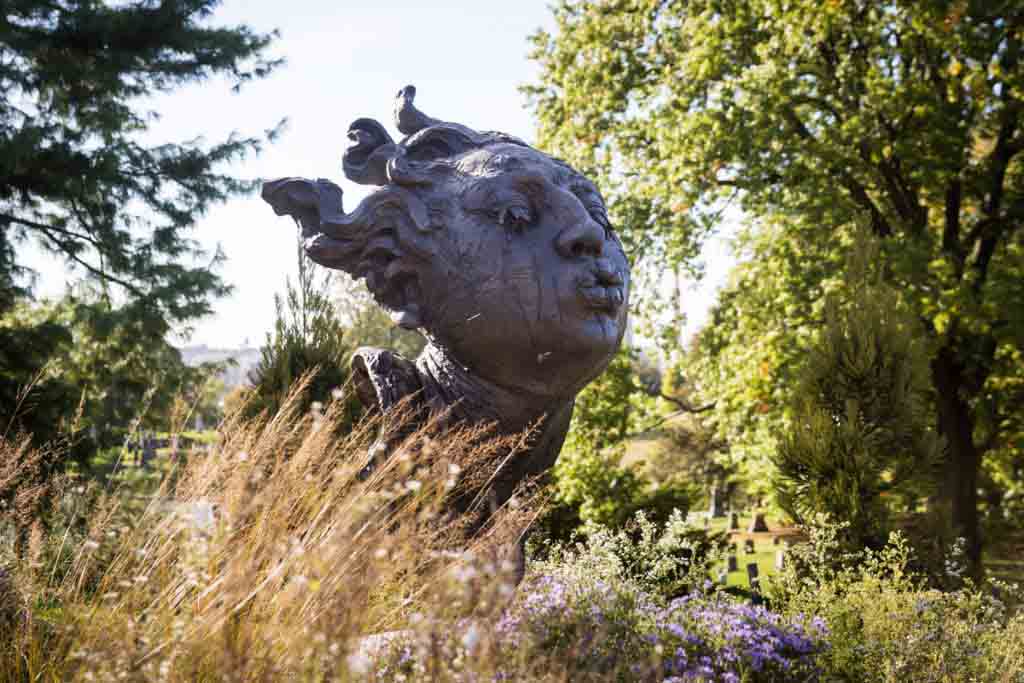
390,234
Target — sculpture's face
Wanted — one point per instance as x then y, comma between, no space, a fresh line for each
528,288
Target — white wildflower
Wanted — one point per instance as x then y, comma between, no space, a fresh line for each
471,637
358,663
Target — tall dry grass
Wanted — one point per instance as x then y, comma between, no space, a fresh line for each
268,558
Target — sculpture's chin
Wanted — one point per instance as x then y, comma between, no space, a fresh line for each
582,354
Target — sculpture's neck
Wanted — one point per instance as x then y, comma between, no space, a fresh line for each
475,399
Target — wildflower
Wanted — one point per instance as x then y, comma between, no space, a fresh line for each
358,663
471,637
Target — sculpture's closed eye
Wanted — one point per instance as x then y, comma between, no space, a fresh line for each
515,216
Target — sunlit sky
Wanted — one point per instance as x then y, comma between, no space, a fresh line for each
346,60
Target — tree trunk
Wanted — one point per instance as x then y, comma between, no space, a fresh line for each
958,482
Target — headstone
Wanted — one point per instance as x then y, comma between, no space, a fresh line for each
776,540
148,451
758,524
755,584
733,548
200,425
732,564
723,578
780,560
748,546
734,521
717,507
752,576
707,522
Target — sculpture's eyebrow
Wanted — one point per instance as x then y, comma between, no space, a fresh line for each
531,178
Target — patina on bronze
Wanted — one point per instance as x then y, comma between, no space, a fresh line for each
502,256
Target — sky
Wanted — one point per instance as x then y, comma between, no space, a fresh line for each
346,60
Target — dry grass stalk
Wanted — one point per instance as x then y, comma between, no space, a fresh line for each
296,560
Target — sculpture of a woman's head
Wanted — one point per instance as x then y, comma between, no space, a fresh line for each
500,254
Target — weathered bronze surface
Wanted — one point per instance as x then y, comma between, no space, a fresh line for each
502,256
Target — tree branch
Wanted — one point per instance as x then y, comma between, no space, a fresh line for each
685,406
951,229
61,245
879,225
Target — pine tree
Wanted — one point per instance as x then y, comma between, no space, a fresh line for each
307,337
73,173
76,177
861,426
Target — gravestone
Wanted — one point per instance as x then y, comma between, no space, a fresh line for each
734,521
748,546
148,451
752,576
502,256
732,564
758,524
780,560
716,508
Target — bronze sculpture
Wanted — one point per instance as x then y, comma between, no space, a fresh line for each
500,254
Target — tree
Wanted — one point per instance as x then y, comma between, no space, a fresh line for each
861,428
307,337
815,117
74,172
591,483
103,366
367,324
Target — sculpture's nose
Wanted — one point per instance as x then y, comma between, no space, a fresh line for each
607,274
584,238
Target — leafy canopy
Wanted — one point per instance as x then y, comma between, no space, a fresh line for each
815,118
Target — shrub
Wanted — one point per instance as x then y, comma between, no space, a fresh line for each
886,626
588,614
307,338
861,425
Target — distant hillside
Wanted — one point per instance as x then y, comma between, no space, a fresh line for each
245,359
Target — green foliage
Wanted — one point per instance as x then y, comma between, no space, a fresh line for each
665,559
861,428
886,626
591,485
307,338
74,174
367,323
77,179
100,372
816,118
33,400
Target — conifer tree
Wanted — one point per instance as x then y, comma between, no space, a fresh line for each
79,179
861,425
307,336
75,176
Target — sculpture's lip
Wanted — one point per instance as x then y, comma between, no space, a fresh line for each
604,299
